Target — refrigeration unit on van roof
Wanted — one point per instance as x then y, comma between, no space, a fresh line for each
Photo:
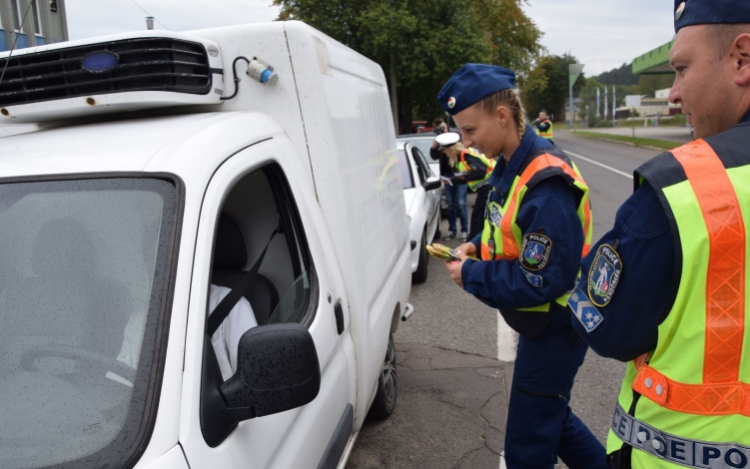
125,72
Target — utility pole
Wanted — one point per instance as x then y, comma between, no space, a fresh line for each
598,109
614,105
606,104
573,71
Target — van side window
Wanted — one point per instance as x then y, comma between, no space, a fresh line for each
259,213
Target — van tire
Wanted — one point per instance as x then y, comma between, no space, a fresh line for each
385,399
420,275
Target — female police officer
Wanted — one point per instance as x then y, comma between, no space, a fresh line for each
537,226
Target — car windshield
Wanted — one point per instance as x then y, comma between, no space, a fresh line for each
406,179
84,273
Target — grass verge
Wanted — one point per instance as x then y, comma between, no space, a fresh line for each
638,142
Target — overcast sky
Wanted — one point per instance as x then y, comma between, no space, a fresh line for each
601,33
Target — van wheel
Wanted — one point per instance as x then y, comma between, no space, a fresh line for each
385,400
420,275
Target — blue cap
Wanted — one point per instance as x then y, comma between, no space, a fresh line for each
692,12
472,83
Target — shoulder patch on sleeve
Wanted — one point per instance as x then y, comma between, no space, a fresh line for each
535,251
604,275
586,313
536,281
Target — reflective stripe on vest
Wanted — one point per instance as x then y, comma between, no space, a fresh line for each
694,386
501,236
506,246
721,393
464,167
676,449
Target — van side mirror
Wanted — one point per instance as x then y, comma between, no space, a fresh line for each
277,370
432,184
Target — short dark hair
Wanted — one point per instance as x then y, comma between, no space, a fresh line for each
437,122
722,36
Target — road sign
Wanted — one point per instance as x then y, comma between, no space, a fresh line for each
573,71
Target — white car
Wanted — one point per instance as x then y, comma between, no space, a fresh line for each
422,199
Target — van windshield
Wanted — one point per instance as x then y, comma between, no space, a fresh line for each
83,275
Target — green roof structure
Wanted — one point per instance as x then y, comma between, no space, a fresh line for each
655,62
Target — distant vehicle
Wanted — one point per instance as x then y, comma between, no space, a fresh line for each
160,178
417,125
421,200
423,141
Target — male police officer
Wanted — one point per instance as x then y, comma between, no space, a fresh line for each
667,287
543,126
538,223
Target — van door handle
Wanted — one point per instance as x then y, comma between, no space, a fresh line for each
338,311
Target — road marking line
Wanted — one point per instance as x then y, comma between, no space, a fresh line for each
507,341
621,173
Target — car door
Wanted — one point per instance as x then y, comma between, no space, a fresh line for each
432,198
262,189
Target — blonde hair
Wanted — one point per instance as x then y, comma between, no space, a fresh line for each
453,152
512,101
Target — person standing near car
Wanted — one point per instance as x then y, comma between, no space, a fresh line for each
537,227
472,167
455,190
439,126
666,289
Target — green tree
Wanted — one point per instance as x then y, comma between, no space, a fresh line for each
650,84
513,36
547,86
420,43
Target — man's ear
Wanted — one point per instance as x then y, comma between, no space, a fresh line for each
741,54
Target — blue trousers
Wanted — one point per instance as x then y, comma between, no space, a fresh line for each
456,197
541,426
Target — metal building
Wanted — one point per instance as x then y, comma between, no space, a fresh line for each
46,23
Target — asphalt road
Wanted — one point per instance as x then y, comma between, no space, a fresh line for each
452,389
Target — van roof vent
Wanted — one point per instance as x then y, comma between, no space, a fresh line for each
143,64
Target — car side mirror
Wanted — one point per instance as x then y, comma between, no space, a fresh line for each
432,184
277,370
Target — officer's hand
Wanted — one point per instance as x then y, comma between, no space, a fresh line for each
468,249
455,269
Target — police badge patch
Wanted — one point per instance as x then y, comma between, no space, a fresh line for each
535,251
604,275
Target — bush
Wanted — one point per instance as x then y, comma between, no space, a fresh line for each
603,124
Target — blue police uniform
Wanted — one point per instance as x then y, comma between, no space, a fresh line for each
647,244
540,423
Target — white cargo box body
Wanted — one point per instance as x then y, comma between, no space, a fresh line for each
326,126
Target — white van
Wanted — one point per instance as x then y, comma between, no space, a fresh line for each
153,185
